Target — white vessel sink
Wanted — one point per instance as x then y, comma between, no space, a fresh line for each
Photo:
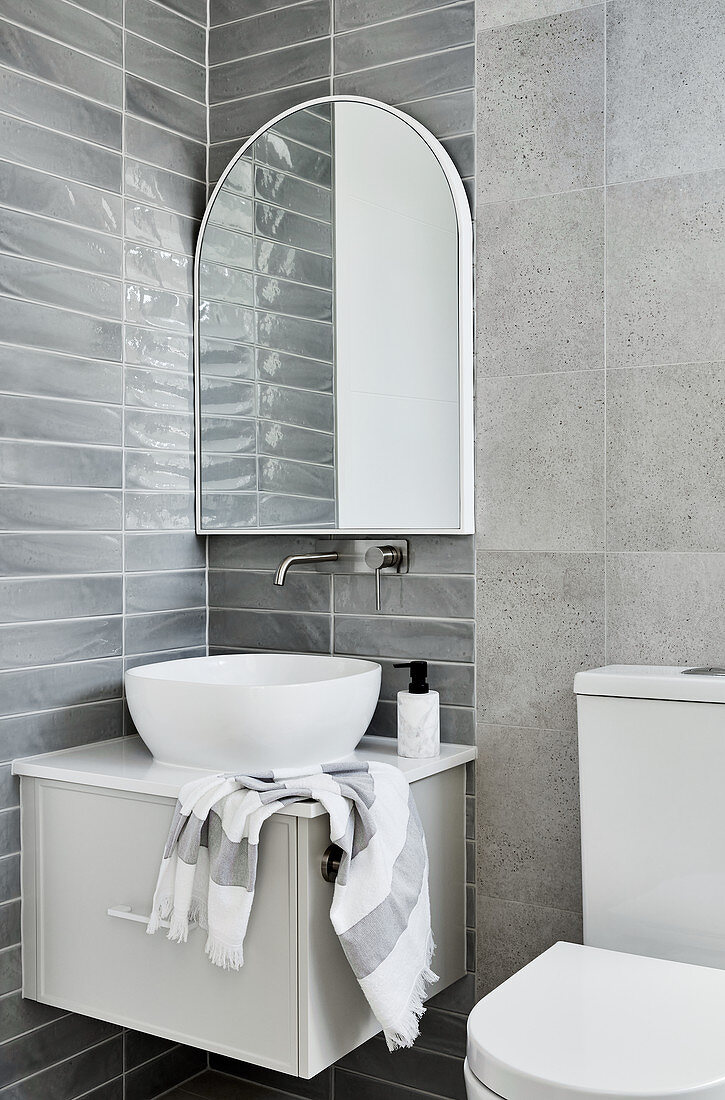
253,712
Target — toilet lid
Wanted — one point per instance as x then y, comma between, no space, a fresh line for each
582,1022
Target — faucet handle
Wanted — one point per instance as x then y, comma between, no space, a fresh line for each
379,558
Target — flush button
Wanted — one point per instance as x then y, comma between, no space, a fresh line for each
703,672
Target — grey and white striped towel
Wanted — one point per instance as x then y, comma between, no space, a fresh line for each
380,907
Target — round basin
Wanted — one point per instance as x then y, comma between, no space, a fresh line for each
253,712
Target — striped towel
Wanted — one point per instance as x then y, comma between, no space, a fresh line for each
380,907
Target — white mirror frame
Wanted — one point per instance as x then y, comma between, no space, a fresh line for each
465,336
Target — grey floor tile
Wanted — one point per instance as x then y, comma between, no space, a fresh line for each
540,620
541,486
439,1074
666,271
169,1069
527,788
514,934
665,609
663,117
665,461
541,277
541,106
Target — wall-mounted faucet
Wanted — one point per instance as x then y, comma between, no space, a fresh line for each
294,559
352,556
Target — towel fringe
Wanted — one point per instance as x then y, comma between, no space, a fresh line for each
406,1030
229,958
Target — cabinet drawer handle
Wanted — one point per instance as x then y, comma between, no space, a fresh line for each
331,862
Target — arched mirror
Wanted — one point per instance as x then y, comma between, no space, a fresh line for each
334,330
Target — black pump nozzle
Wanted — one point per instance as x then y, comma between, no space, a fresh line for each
418,676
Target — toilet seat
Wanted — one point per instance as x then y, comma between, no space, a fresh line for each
582,1022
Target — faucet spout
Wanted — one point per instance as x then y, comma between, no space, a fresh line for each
294,559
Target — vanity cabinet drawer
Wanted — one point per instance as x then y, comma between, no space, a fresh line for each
98,849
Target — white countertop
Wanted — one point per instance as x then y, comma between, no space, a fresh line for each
125,764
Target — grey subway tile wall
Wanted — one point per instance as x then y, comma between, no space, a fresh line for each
420,58
600,346
97,552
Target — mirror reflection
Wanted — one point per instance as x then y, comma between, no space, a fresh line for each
328,366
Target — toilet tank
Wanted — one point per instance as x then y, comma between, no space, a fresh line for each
652,792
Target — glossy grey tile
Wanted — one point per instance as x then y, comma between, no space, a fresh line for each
169,190
33,554
161,24
454,682
293,299
193,9
276,510
39,193
41,57
165,591
448,597
224,246
31,463
541,106
55,330
61,685
292,370
165,108
543,612
299,632
220,511
449,71
541,274
70,24
59,421
456,723
239,119
229,473
352,14
224,435
298,407
45,283
454,113
400,39
155,511
269,31
60,154
286,227
657,496
281,68
9,788
542,488
528,816
259,553
289,441
226,284
665,608
496,13
405,639
158,267
303,591
441,554
146,429
164,630
226,321
158,308
663,117
159,390
109,9
61,111
37,509
166,471
35,599
67,640
164,149
160,551
152,349
293,194
666,271
42,373
297,478
280,151
9,924
299,337
160,228
279,261
169,69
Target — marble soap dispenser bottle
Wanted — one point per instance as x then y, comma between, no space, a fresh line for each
419,727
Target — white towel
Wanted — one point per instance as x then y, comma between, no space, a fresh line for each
380,907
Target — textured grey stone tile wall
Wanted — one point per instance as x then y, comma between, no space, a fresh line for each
102,183
607,542
418,56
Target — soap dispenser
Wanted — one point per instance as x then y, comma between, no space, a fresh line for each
419,726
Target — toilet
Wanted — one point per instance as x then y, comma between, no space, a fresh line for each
638,1011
